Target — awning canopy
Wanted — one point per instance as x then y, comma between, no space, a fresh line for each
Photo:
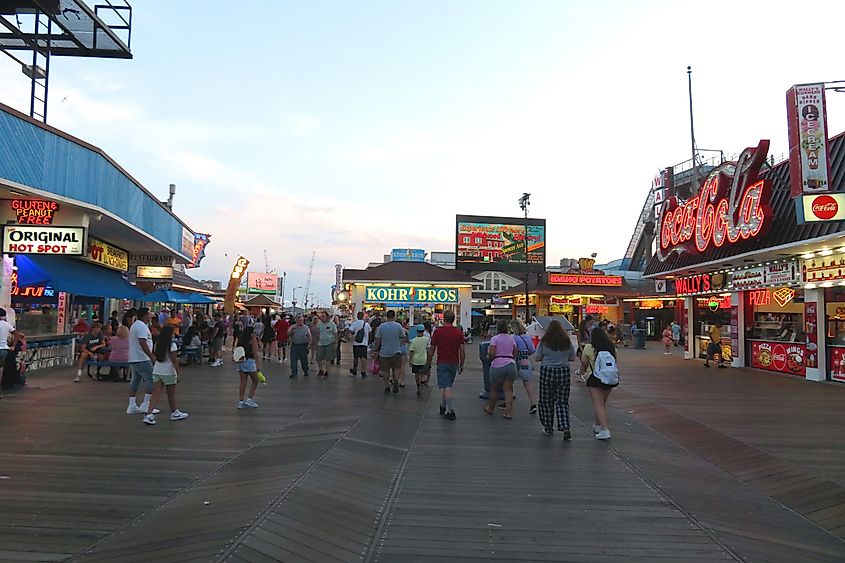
167,296
197,299
73,276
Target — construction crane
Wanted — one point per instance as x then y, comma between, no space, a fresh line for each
308,279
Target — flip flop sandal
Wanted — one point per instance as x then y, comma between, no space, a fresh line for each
506,417
490,413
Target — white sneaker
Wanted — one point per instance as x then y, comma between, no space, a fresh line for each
218,363
603,435
134,409
178,415
242,405
250,402
667,353
149,419
76,379
596,428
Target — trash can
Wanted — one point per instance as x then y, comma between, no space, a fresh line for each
639,338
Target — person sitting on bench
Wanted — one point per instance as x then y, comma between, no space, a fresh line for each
93,344
192,345
119,345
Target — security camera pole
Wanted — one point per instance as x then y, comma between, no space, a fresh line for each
523,204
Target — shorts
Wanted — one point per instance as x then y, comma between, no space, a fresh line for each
325,353
142,372
248,366
282,343
215,345
594,381
167,379
390,363
446,374
525,374
712,350
501,374
268,337
418,369
359,352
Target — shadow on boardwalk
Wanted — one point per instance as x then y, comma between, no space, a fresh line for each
703,466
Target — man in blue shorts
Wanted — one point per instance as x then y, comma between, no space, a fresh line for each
447,343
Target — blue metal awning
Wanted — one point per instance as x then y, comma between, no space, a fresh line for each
166,296
73,276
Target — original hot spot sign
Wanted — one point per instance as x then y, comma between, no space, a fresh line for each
391,294
34,211
25,239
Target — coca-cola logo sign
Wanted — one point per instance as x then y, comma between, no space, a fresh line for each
824,207
732,205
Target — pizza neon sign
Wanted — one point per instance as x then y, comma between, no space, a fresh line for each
732,205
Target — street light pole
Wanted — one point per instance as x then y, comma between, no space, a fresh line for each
293,300
692,134
524,202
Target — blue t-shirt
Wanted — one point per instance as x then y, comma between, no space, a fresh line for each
391,334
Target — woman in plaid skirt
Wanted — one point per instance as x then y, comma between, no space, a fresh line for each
554,353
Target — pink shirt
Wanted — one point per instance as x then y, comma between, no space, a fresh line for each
119,349
505,346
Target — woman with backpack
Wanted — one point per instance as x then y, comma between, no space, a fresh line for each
598,362
554,353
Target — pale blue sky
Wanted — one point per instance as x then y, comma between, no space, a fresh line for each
352,128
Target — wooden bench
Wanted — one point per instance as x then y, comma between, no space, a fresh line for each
122,366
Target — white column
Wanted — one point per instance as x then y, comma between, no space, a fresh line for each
738,353
465,298
818,373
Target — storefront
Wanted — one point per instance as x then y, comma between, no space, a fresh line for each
653,313
416,291
761,276
71,219
574,295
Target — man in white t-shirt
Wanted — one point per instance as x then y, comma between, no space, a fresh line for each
141,362
6,330
359,349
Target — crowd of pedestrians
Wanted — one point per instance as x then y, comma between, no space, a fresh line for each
157,347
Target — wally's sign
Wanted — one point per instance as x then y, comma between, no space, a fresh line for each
732,205
391,294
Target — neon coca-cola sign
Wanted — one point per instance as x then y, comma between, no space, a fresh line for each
732,205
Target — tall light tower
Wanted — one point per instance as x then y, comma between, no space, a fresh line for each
524,202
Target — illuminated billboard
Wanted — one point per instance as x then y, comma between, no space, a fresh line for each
258,282
498,243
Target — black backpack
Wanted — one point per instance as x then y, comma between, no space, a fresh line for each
359,336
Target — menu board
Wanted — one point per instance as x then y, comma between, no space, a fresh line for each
779,273
782,357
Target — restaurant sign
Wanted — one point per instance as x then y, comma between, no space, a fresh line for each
779,273
582,279
732,206
701,283
809,162
410,294
781,357
37,239
154,272
107,255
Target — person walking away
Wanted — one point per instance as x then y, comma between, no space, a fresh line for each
326,337
676,333
360,331
418,351
237,327
502,352
714,349
666,337
165,375
555,352
600,350
257,325
388,345
584,329
119,345
403,351
141,360
448,345
246,357
524,371
281,329
268,336
341,338
92,344
299,336
314,326
216,338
